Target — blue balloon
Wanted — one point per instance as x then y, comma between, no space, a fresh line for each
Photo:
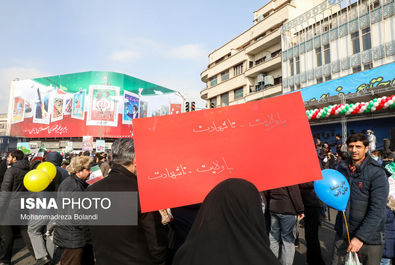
333,189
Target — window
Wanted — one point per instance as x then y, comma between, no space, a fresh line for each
297,87
291,88
356,48
260,36
297,62
277,80
225,99
367,66
291,66
213,102
261,60
319,80
225,75
213,81
356,69
275,53
318,55
239,93
326,27
375,4
328,77
238,69
251,64
366,41
327,54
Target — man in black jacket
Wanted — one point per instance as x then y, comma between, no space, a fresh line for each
366,207
143,244
12,182
286,208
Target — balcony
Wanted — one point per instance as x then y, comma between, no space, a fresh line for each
204,76
264,43
264,93
266,66
204,93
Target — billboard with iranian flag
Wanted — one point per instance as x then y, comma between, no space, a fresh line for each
96,103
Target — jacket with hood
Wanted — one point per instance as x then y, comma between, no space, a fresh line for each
61,173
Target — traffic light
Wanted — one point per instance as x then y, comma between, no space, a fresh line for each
187,106
193,106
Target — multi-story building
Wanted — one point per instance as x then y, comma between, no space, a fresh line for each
248,67
341,55
327,43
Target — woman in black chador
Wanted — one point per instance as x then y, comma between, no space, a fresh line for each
229,229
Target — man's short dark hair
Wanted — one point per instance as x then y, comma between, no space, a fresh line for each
18,154
87,153
358,137
122,151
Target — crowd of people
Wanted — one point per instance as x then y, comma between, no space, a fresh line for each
235,224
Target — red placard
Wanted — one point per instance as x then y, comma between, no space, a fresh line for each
181,158
175,108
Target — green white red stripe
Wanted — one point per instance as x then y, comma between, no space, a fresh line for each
352,109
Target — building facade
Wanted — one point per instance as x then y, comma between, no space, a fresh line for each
341,56
249,66
339,53
3,124
328,41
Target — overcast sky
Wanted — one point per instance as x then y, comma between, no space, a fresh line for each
164,42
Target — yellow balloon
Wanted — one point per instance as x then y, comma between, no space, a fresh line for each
48,168
36,180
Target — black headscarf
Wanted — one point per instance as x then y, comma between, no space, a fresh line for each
229,229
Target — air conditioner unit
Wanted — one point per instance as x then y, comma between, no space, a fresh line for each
269,80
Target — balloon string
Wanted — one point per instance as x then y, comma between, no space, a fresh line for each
345,220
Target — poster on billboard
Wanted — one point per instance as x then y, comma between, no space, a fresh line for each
78,106
18,110
175,108
57,107
87,143
103,109
130,107
41,107
100,146
68,104
26,90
